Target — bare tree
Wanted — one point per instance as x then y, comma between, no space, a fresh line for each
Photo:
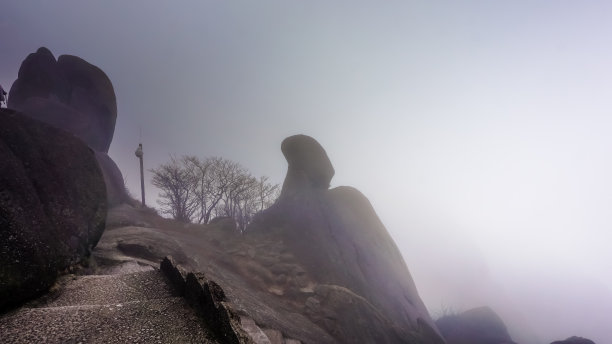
266,193
177,190
198,190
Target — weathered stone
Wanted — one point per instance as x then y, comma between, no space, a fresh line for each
309,167
75,96
351,318
115,186
274,336
208,299
250,327
148,245
70,94
52,205
574,340
475,326
336,236
174,273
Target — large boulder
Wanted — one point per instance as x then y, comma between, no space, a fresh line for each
116,191
71,94
309,167
68,93
339,241
52,205
475,326
574,340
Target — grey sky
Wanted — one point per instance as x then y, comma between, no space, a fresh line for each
479,130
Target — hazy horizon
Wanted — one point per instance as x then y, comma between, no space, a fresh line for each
479,131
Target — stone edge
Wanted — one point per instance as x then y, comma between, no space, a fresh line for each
208,299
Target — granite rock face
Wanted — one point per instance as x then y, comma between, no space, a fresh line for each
68,93
339,241
309,167
71,94
52,205
475,326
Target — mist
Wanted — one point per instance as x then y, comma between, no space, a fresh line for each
479,131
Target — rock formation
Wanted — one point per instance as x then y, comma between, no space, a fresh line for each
574,340
341,243
52,205
309,167
71,94
475,326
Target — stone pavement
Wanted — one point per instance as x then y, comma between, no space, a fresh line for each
130,306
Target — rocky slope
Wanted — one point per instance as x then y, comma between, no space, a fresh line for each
318,266
475,326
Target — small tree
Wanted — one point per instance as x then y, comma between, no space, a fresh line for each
177,190
198,190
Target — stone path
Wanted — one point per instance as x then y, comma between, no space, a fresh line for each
132,307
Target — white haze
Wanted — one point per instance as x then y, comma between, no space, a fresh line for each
479,130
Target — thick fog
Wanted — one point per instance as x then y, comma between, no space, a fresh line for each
480,131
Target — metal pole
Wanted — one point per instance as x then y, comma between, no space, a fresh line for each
139,154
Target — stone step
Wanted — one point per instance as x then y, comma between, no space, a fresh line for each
165,320
109,290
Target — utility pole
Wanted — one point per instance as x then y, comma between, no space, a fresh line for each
139,154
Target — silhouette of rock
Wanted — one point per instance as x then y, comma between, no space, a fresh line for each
574,340
76,96
475,326
338,240
309,167
52,205
69,93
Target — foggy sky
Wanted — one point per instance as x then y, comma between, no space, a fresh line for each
480,131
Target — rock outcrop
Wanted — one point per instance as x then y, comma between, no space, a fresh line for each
574,340
67,93
52,205
338,239
71,94
475,326
309,167
209,301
